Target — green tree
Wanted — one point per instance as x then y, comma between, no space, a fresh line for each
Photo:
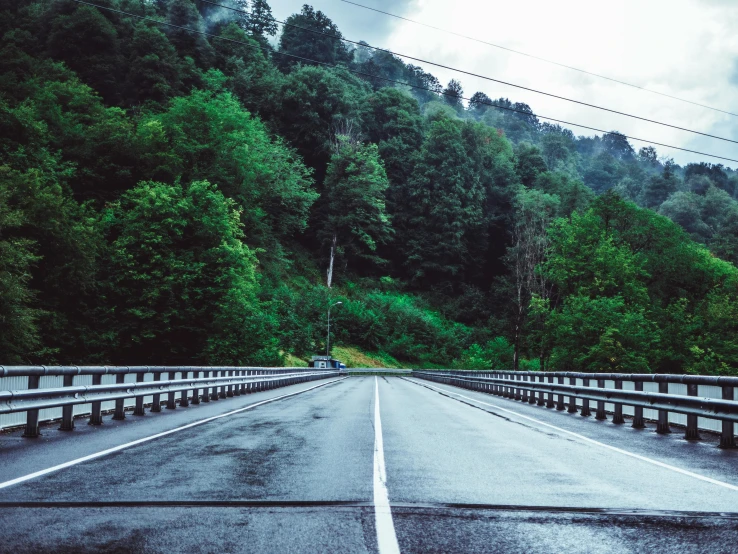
298,40
445,200
602,324
479,103
313,102
19,334
391,119
230,147
154,66
353,214
50,243
183,13
453,94
180,285
260,21
250,74
529,163
88,43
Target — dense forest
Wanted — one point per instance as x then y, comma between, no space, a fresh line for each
179,197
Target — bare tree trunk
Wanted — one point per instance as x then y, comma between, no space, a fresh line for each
330,267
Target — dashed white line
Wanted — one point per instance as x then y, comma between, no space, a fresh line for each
118,448
386,537
587,439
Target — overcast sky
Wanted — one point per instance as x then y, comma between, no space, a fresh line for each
685,48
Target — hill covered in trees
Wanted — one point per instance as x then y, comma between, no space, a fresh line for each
173,197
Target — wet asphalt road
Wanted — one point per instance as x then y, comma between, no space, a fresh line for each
466,472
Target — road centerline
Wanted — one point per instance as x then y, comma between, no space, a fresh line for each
136,442
386,536
586,439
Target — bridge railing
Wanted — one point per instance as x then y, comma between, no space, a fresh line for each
134,386
574,391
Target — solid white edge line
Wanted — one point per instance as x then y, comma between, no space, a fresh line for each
386,536
118,448
591,441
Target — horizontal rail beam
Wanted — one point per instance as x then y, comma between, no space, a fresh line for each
725,410
41,371
38,399
717,381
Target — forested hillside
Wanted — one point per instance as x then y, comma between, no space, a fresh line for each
179,197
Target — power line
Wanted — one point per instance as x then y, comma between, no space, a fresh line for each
467,37
364,74
420,60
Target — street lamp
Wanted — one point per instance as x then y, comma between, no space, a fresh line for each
328,340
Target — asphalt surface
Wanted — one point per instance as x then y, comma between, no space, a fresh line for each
465,472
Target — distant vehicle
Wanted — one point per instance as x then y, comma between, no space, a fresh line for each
326,362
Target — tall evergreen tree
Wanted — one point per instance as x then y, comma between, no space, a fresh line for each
298,40
445,200
352,215
183,13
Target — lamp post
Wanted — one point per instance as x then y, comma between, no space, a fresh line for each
328,339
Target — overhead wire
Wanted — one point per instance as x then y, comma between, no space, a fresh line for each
467,37
477,75
394,81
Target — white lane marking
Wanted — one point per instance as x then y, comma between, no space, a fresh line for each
386,537
591,441
65,465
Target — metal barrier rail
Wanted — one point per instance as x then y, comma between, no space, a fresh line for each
539,388
225,381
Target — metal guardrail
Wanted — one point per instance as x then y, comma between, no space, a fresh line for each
214,383
539,388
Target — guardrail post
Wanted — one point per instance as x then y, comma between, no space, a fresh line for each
237,388
183,401
120,412
586,412
541,394
156,402
560,397
32,415
550,399
638,422
139,409
171,400
222,393
727,439
601,414
517,390
67,423
532,395
214,395
96,413
524,398
618,413
205,390
572,399
692,433
229,390
196,392
663,426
